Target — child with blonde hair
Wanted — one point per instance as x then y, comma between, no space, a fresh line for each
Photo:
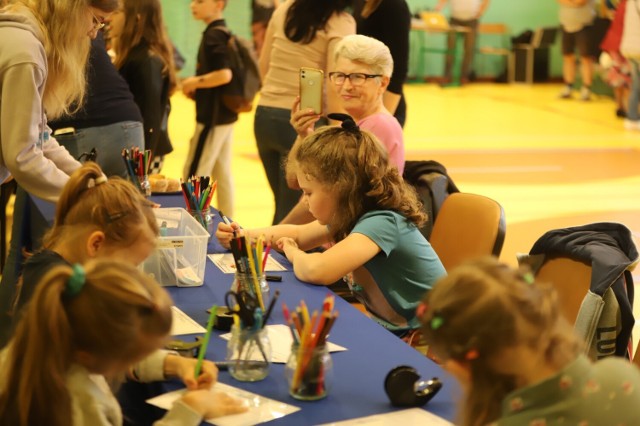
83,327
360,203
503,337
95,217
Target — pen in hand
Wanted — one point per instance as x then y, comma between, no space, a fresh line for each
227,221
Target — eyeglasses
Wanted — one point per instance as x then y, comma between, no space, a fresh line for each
97,23
356,78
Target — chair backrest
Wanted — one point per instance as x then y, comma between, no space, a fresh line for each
571,279
493,28
467,226
544,37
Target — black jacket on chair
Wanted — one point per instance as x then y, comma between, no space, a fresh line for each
610,250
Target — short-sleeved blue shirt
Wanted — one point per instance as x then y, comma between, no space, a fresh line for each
404,270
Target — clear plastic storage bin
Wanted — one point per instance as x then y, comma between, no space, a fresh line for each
181,253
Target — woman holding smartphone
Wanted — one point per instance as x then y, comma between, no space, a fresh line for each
359,78
301,33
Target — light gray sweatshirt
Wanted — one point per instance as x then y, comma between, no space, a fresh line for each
27,151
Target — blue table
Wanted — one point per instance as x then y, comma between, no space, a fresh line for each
359,372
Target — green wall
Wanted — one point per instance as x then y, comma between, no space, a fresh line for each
517,14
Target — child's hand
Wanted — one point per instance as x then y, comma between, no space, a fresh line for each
185,369
286,245
303,121
225,233
213,404
189,87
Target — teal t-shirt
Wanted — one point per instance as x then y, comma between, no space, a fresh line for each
404,270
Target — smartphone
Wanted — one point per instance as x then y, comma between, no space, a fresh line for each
311,89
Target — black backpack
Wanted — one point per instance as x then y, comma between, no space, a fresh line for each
238,94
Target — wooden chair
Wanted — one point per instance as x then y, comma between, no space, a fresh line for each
467,226
500,34
571,279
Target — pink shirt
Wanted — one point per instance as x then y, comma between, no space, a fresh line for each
388,131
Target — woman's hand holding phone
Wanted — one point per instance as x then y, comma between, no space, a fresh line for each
303,121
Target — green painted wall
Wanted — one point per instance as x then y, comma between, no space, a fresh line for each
519,15
186,31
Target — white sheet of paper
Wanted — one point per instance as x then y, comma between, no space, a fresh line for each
411,416
184,324
281,340
225,262
261,409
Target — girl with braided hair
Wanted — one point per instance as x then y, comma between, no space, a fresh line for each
360,203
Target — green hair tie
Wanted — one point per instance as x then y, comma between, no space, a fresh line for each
436,322
76,281
528,278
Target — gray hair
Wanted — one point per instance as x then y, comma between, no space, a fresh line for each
367,50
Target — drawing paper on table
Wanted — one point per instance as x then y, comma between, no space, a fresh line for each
411,416
183,323
261,409
281,340
224,261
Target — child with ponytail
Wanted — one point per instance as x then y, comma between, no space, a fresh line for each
95,217
503,337
84,327
360,203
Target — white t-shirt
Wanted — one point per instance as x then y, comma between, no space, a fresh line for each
465,10
573,19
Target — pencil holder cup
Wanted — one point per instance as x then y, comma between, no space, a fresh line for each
247,282
309,372
144,185
249,353
204,218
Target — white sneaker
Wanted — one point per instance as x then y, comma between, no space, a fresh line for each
565,93
585,94
632,125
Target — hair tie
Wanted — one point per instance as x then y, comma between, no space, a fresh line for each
76,281
528,278
471,354
100,180
348,123
436,322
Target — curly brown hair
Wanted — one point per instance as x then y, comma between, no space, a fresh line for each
354,165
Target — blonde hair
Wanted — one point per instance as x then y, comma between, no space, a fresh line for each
483,308
143,22
117,306
366,50
114,206
355,165
66,43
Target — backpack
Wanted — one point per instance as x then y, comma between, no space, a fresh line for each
433,185
238,94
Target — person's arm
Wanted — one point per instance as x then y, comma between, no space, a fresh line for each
329,266
206,81
573,3
483,8
308,236
40,170
440,5
145,80
184,369
391,101
265,54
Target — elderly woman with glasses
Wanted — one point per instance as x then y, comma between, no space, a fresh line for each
361,72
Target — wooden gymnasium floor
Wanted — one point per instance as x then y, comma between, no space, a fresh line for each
550,163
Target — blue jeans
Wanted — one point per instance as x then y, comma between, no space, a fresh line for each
109,141
275,137
634,93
